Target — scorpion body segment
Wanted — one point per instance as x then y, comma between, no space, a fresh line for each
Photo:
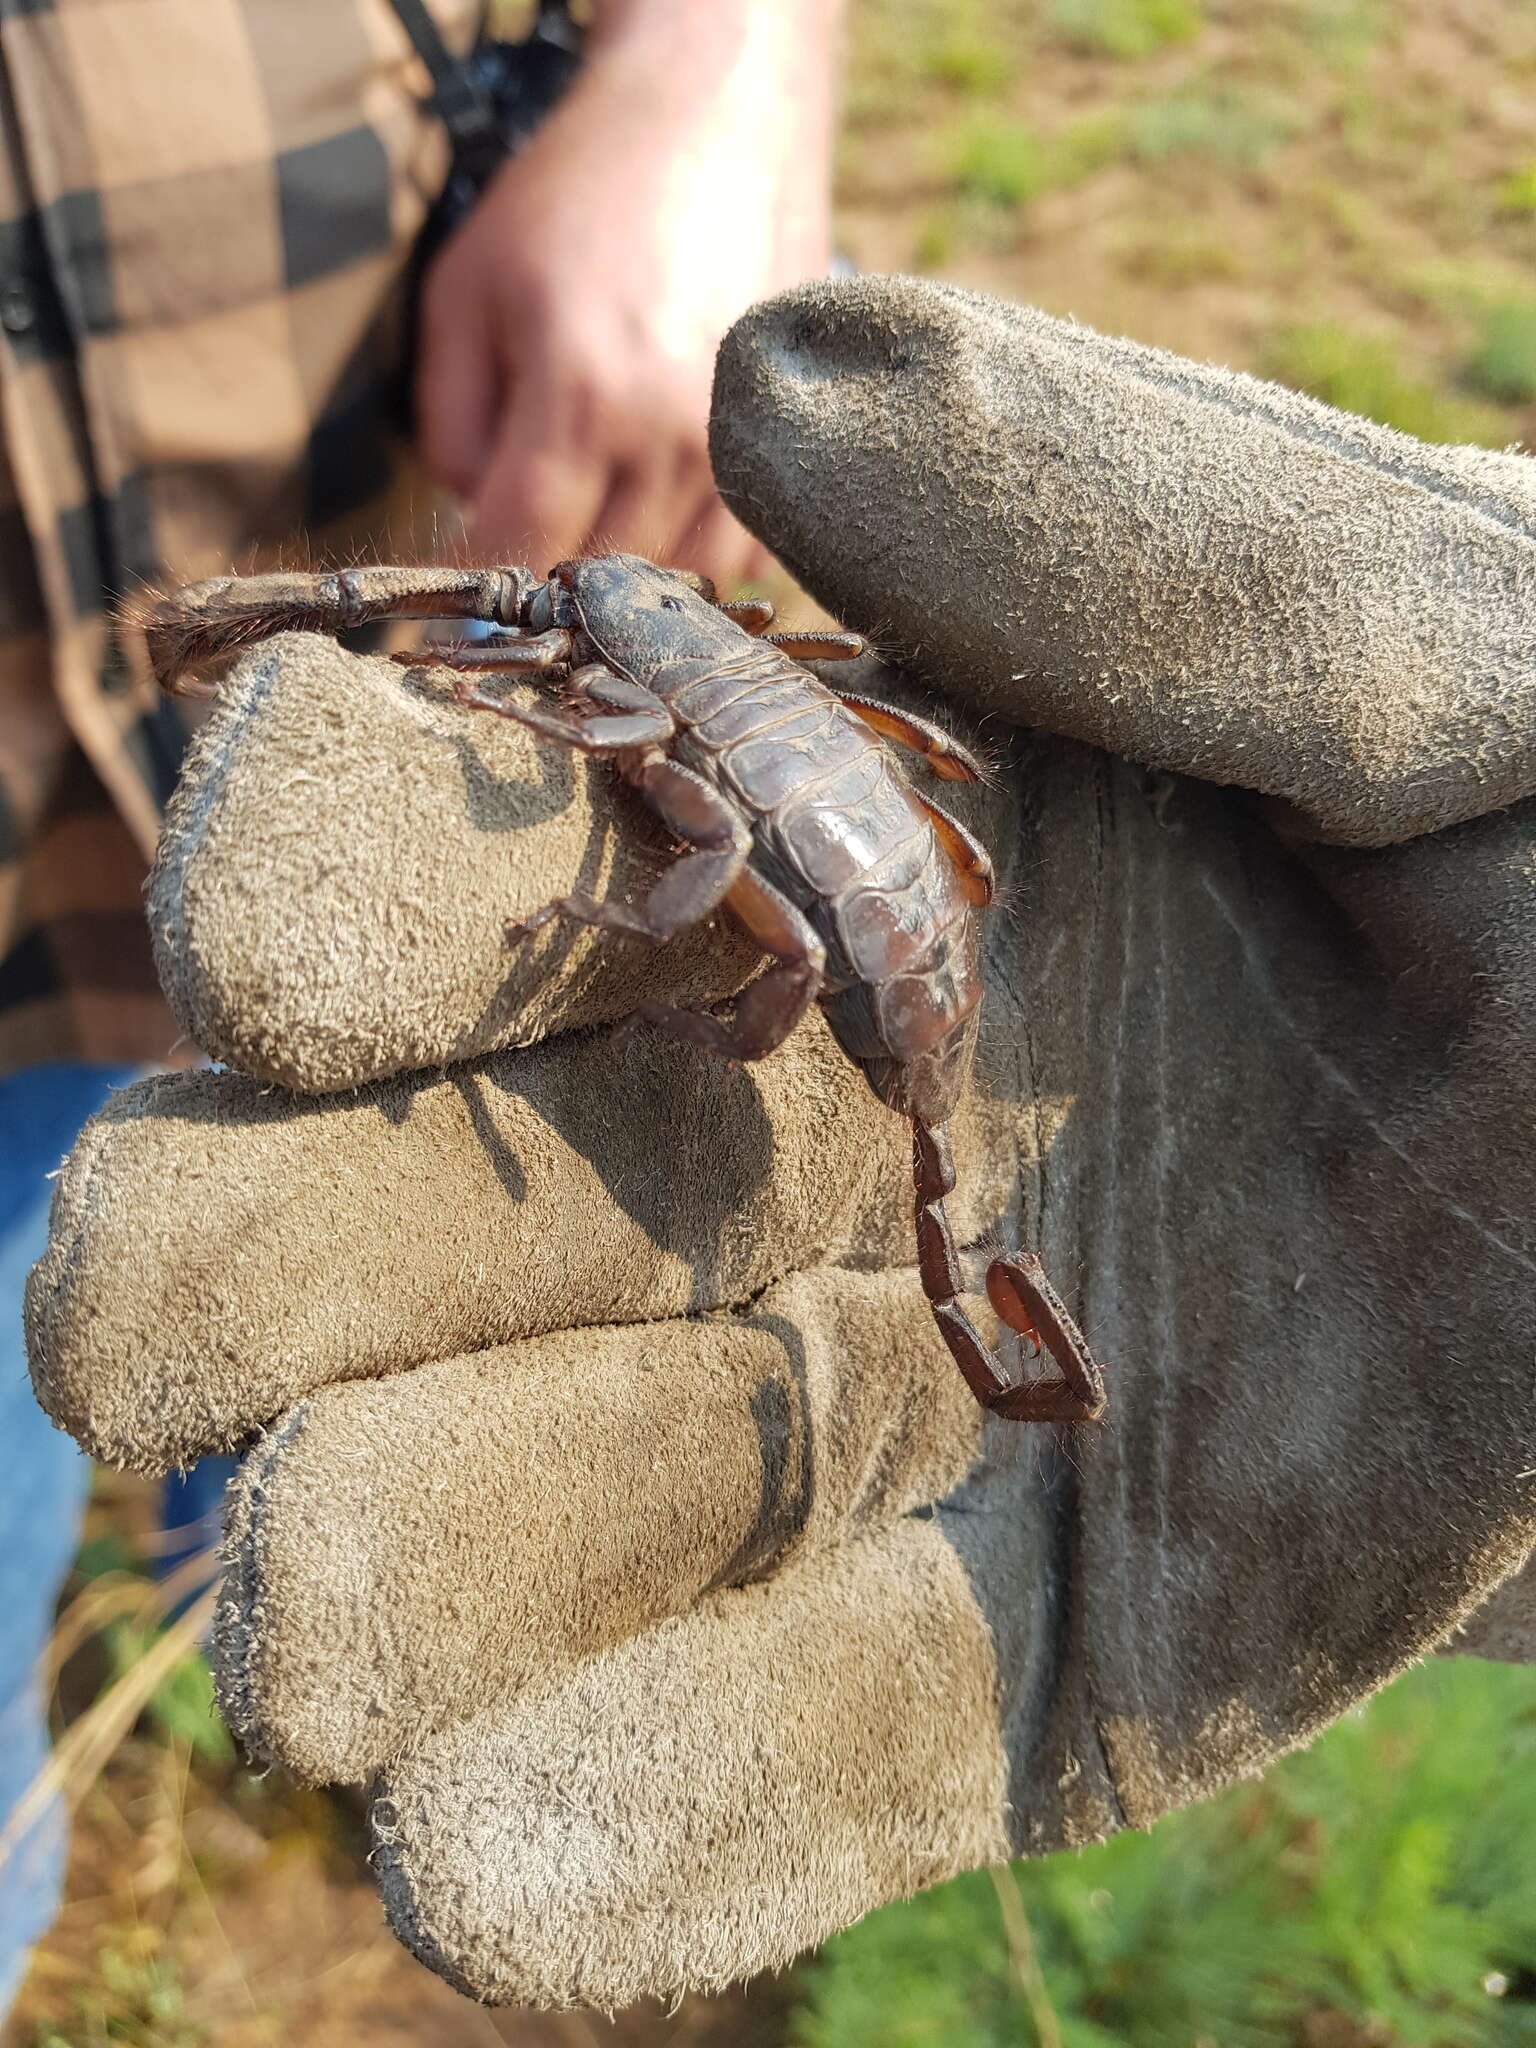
793,813
835,832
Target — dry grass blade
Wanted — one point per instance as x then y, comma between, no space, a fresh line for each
126,1596
87,1745
1022,1956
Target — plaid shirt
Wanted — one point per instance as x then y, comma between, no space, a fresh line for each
207,209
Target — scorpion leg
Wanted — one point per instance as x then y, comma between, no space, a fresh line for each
693,886
539,651
770,1007
818,646
945,756
643,722
1020,1293
965,853
754,615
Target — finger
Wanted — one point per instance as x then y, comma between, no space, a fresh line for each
637,516
543,486
720,546
219,1250
1187,567
340,867
460,381
711,1798
601,1483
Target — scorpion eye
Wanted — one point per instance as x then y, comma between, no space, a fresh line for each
671,604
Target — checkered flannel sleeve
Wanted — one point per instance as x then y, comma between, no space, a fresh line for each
207,214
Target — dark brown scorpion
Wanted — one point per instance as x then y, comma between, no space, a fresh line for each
792,812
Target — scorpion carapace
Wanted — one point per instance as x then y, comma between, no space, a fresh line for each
793,813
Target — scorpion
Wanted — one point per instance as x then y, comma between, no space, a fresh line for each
790,809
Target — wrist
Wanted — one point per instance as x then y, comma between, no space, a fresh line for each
780,61
712,27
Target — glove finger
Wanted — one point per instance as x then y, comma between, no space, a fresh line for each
1182,565
1503,1629
343,856
219,1250
403,1552
716,1795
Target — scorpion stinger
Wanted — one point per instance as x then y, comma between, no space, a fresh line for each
1023,1297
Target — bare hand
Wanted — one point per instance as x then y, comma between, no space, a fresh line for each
569,329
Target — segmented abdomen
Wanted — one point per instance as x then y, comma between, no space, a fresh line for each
837,829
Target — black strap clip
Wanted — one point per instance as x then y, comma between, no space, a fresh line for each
491,100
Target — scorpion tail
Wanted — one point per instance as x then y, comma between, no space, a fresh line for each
1022,1296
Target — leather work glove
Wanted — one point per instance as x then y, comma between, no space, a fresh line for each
612,1502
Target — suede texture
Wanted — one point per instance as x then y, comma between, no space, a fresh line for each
611,1502
1183,565
323,967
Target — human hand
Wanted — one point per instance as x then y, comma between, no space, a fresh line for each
568,330
614,1499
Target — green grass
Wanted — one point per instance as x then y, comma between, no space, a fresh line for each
136,2000
1386,1877
1503,366
1362,374
1126,28
1517,192
934,243
1001,163
181,1708
1340,32
907,49
965,58
1219,122
1179,257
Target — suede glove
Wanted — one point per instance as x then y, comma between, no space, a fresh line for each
611,1503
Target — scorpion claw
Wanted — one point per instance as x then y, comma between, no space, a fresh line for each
518,929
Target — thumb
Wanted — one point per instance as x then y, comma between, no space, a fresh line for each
1184,566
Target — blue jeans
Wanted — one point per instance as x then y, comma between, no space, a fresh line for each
43,1481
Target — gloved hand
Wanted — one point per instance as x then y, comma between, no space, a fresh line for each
613,1499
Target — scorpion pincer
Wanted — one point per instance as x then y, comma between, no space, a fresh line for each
794,814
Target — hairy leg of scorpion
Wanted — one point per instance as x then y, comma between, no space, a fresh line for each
945,756
768,1009
622,714
186,627
1022,1296
755,615
964,852
539,653
693,886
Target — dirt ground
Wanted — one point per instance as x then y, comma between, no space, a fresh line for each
208,1906
1268,168
220,1910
